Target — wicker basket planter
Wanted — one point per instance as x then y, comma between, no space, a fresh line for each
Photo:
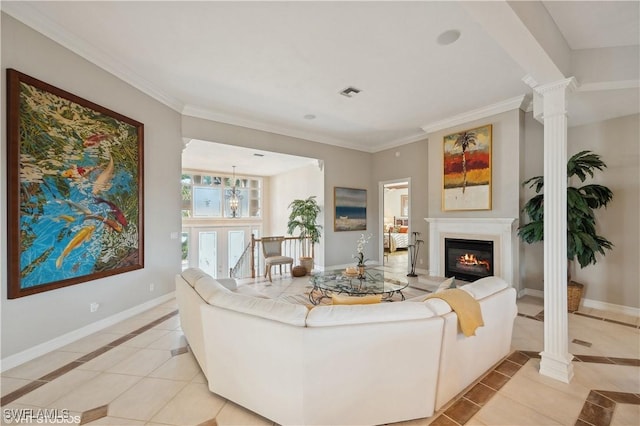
574,295
299,271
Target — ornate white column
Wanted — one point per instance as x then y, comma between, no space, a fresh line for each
556,359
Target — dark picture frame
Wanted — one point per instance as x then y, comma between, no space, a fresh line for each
75,193
350,209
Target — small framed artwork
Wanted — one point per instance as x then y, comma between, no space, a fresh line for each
404,205
74,189
467,170
350,209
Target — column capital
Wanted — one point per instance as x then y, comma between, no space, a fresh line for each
568,85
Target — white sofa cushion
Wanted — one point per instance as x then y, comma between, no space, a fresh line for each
207,287
332,315
265,308
229,283
485,287
192,275
438,306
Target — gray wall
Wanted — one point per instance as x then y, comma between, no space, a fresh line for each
35,319
531,255
410,163
342,167
505,183
614,279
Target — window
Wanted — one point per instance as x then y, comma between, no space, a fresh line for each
207,196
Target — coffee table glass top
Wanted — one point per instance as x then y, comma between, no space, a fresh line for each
374,281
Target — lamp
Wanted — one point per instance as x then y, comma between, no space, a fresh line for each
233,196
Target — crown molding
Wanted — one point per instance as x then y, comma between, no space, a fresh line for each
207,114
608,85
33,18
519,102
402,141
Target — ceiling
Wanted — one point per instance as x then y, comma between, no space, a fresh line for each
211,156
279,66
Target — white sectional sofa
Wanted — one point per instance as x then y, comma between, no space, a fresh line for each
339,365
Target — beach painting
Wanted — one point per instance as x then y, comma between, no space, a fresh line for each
467,170
351,209
74,189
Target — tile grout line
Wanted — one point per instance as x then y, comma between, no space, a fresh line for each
593,406
540,317
463,396
43,380
623,397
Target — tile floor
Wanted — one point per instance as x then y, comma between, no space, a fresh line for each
140,372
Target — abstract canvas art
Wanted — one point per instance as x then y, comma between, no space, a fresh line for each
351,209
467,170
74,189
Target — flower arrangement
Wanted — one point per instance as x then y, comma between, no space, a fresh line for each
362,242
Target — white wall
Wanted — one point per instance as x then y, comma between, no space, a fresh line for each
35,319
393,202
296,184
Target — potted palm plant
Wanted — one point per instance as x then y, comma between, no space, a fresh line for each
303,216
583,242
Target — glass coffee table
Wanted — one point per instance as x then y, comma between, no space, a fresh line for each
374,281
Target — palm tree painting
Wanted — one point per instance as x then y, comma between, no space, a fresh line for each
467,170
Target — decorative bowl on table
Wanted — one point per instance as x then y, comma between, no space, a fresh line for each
350,272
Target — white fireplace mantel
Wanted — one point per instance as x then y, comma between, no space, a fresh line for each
502,231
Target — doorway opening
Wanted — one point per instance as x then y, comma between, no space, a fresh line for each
217,232
396,223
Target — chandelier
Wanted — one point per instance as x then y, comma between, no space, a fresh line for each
233,195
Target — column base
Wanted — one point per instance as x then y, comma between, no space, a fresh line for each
556,367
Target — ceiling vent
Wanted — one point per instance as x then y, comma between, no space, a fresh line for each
350,91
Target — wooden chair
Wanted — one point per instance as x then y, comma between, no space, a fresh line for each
272,250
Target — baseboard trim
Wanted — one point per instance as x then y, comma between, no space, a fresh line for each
620,309
530,292
53,344
589,303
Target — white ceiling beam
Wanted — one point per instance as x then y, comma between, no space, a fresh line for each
503,23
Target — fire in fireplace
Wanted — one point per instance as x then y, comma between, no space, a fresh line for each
468,260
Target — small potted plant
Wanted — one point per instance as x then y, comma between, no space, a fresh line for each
303,216
583,242
362,242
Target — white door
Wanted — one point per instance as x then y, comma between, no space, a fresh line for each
216,250
208,252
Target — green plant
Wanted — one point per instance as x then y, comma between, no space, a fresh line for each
583,242
303,216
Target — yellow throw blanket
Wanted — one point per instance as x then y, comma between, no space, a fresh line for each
465,306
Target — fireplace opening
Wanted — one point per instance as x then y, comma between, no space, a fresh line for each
468,260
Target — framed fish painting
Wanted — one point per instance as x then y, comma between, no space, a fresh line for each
74,189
